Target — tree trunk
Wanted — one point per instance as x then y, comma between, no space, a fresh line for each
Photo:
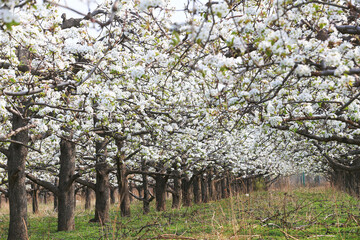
185,186
102,191
34,196
224,188
196,188
124,192
212,189
16,175
177,191
112,195
204,190
66,215
146,202
122,181
131,189
87,198
45,197
55,196
160,192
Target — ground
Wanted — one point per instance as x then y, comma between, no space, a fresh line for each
304,213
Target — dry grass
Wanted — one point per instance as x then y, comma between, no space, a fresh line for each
288,213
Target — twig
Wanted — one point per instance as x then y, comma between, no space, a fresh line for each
288,235
172,236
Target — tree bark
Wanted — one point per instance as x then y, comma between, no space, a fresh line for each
196,188
55,196
224,188
124,192
122,181
160,192
102,191
204,190
45,197
112,195
87,198
146,202
177,191
16,175
34,196
185,186
66,197
212,189
102,186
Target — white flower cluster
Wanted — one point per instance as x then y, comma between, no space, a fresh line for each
137,72
220,9
203,32
7,17
303,70
145,4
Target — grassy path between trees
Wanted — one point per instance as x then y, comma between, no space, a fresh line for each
316,213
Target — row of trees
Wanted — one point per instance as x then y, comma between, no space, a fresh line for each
239,90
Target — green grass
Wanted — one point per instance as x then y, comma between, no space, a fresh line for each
317,213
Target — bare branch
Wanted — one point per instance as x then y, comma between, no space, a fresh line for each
15,132
5,151
49,186
331,72
348,29
86,183
39,90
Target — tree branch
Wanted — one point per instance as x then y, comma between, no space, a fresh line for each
341,119
49,186
86,183
15,132
333,138
335,164
5,151
348,29
331,72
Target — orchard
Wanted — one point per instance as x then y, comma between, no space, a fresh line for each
125,96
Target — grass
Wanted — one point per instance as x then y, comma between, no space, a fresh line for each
315,213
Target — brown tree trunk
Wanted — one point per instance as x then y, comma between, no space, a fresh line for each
196,189
160,192
45,197
124,192
16,175
102,186
66,197
224,187
55,196
122,181
131,189
204,190
146,202
112,195
177,190
212,189
87,198
34,196
102,191
185,186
